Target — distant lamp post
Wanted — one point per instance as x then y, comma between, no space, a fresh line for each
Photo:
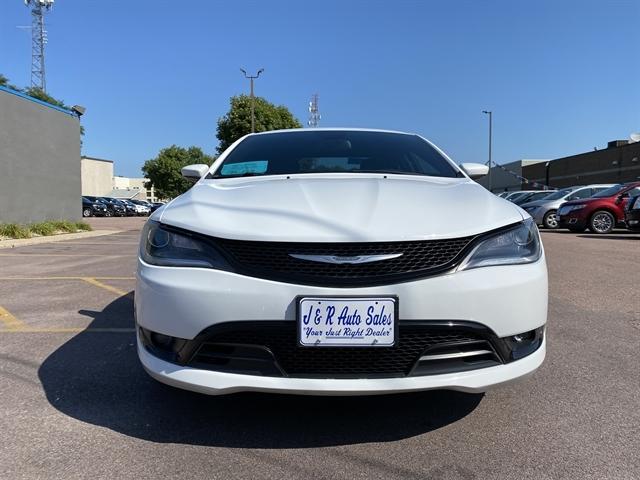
253,101
490,113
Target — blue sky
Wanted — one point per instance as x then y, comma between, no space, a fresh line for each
560,76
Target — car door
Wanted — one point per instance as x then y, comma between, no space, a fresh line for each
623,199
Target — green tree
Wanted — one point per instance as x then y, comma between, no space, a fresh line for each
4,82
40,94
163,171
237,122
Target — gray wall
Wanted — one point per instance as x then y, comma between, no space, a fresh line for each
39,161
616,164
501,180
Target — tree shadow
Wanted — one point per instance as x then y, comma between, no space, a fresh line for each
96,378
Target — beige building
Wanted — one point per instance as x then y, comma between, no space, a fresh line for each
96,176
133,188
98,181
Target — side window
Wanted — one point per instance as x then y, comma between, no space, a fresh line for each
579,194
634,192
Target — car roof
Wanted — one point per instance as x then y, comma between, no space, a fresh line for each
333,129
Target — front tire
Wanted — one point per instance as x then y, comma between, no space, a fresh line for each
602,222
108,213
550,220
86,212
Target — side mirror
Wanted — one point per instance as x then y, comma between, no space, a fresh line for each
475,170
195,172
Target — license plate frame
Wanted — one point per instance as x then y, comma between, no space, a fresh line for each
300,299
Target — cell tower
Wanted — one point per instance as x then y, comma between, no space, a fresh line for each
38,40
314,113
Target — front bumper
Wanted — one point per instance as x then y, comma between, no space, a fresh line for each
572,222
219,383
184,302
632,220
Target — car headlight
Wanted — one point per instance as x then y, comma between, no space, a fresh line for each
161,245
635,205
515,246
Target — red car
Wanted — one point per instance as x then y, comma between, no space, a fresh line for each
600,213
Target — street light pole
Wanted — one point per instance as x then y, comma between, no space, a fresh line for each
253,101
490,113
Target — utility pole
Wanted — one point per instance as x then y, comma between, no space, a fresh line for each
314,112
490,113
253,99
38,41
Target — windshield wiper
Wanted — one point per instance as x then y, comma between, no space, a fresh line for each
388,172
245,174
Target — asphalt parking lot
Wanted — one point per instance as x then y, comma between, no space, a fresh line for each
77,404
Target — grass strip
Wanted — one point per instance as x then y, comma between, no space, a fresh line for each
41,229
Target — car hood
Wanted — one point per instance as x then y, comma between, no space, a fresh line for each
339,208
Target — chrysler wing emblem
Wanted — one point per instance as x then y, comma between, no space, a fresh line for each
352,260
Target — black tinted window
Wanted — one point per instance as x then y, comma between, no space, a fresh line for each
334,151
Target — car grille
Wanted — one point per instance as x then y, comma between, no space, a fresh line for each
273,260
276,352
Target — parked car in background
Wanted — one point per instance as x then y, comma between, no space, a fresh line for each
532,196
632,213
155,206
142,207
119,208
113,209
504,194
544,211
93,208
601,213
130,207
515,196
510,195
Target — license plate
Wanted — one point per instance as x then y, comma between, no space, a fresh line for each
347,321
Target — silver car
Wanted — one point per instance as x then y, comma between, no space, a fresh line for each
544,211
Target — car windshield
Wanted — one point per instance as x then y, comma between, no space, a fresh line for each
609,192
539,195
559,194
291,153
518,196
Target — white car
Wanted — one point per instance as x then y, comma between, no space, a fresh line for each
142,208
337,262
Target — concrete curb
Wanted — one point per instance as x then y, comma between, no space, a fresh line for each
23,242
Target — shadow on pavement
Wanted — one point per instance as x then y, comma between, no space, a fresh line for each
630,236
97,378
